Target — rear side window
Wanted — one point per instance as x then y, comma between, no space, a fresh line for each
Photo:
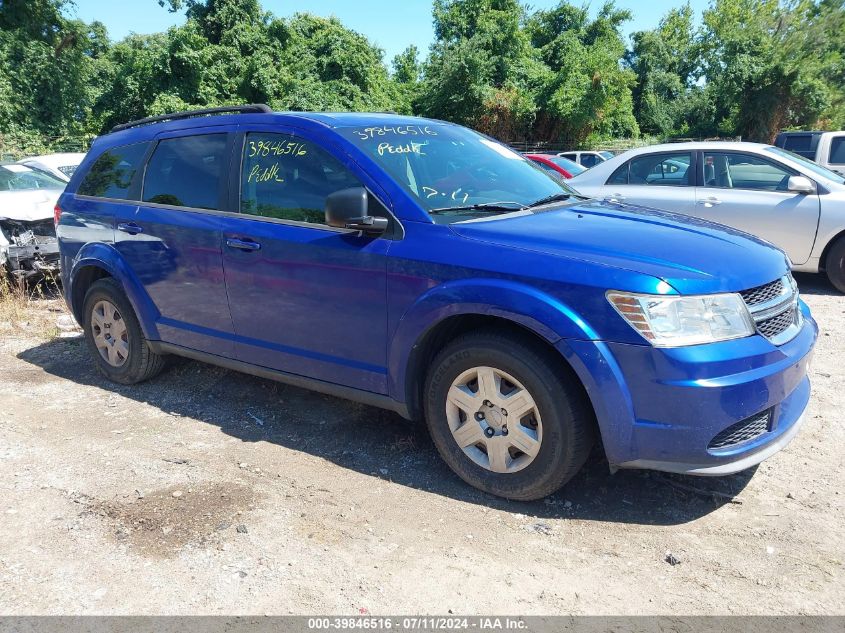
589,160
111,174
187,171
837,151
665,170
289,178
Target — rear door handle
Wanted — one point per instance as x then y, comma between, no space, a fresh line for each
242,245
130,227
710,202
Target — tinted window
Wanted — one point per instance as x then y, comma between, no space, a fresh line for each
744,171
289,178
666,170
620,176
111,174
589,160
186,171
23,178
837,150
797,142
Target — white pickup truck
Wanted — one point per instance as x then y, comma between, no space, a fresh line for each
825,148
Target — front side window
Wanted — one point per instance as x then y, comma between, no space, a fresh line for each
111,174
288,178
187,171
453,173
663,170
837,151
589,160
17,177
744,171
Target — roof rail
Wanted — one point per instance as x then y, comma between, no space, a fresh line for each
254,108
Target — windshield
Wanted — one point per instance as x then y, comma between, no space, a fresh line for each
454,173
569,165
23,178
807,164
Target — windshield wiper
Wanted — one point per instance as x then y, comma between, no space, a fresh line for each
482,206
555,197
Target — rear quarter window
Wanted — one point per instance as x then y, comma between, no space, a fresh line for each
112,173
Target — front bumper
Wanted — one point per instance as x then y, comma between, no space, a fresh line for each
661,408
36,259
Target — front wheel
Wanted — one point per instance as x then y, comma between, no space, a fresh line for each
506,416
835,264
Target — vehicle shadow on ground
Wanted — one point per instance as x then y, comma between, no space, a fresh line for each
815,284
382,444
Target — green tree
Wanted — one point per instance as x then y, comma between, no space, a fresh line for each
665,61
586,93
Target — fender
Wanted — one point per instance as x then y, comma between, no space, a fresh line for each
105,256
537,311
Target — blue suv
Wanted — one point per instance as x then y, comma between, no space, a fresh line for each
418,266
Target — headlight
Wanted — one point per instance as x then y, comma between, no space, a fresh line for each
674,321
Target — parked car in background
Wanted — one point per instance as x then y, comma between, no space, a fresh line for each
767,191
587,159
556,165
824,148
28,245
419,266
61,166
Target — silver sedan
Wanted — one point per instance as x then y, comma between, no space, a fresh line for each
781,197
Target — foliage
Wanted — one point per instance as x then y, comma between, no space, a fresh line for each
749,68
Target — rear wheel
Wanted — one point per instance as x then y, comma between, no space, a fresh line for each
506,417
835,264
114,335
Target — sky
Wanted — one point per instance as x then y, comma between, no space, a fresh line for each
392,25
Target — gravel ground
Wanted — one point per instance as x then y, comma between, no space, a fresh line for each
206,491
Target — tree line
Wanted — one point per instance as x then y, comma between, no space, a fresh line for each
749,68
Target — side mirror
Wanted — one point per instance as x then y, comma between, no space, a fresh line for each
800,184
347,209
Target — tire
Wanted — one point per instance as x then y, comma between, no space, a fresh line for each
125,358
835,264
562,423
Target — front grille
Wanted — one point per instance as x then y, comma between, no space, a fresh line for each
762,294
774,308
777,324
743,431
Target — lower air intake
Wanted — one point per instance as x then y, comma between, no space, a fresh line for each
743,431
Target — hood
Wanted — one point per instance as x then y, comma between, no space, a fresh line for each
28,206
693,256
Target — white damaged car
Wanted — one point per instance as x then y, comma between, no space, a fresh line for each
28,246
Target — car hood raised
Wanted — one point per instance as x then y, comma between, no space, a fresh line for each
28,206
694,256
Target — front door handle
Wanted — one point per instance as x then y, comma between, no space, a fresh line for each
616,197
242,245
712,201
130,227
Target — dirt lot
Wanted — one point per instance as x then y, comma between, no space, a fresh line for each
207,491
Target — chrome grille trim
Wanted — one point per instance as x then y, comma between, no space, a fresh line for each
774,308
